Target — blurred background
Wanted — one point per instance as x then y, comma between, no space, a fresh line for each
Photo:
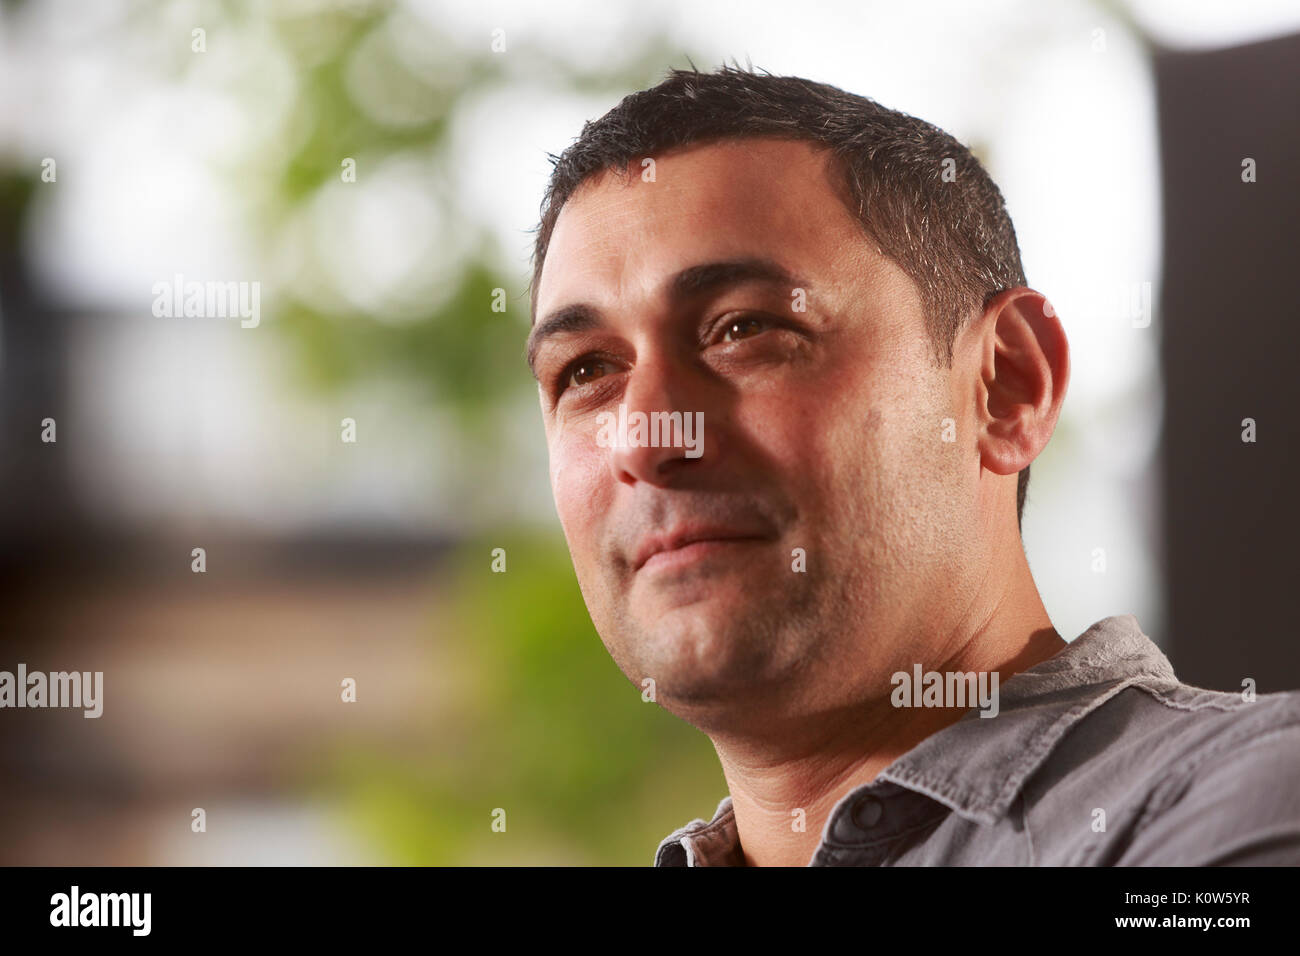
376,167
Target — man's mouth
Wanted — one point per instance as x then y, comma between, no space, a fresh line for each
686,544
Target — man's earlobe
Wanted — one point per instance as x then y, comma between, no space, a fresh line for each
1024,373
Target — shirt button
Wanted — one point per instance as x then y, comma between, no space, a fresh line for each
867,812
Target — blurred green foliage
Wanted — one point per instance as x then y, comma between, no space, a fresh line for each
462,354
551,732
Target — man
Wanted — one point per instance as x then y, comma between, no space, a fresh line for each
827,578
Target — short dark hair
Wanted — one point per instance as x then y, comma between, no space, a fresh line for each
921,195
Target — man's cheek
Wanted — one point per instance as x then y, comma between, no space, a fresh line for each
579,481
786,434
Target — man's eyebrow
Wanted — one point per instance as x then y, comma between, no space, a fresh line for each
692,281
570,318
713,275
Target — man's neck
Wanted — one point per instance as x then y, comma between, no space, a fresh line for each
813,767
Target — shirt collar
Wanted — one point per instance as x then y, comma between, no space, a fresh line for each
977,766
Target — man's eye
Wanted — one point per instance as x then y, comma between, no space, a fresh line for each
742,328
583,372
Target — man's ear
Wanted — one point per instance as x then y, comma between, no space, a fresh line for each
1024,369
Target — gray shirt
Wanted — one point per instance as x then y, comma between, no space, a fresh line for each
1098,756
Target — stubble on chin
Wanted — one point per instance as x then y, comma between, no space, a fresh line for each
701,655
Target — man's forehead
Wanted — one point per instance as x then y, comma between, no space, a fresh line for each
704,202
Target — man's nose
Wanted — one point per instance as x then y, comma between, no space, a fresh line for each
659,427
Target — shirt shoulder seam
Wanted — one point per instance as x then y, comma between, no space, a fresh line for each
1167,793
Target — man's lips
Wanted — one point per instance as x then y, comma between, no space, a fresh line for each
681,538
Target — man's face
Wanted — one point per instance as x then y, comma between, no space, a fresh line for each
804,551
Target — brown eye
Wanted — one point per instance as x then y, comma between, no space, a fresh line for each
585,371
741,329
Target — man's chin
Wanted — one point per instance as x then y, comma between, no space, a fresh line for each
695,611
703,649
726,590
